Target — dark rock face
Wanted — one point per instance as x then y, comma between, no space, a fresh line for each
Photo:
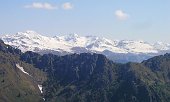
93,78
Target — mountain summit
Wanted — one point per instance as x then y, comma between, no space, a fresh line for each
73,43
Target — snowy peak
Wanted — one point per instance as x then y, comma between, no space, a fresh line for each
74,35
137,46
30,34
33,41
161,46
71,37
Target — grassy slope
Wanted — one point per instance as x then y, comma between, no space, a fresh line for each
16,86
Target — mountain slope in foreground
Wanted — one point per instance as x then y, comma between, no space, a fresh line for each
18,80
116,50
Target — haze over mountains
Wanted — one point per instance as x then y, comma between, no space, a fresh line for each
116,50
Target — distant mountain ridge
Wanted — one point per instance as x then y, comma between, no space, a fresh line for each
73,43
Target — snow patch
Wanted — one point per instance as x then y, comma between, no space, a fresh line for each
44,99
22,69
40,88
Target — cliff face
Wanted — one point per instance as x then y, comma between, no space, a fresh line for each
94,78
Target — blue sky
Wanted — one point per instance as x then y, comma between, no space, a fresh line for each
147,20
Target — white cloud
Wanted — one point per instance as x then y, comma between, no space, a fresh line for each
38,5
121,15
67,6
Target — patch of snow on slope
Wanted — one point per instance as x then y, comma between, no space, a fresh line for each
22,69
40,88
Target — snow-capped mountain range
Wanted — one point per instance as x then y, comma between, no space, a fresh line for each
73,43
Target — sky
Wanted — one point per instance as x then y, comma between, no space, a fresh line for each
147,20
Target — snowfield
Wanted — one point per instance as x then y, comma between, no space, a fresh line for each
32,41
